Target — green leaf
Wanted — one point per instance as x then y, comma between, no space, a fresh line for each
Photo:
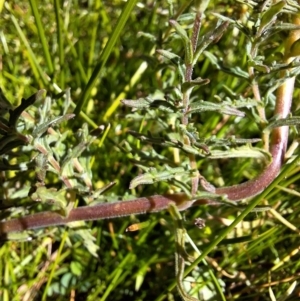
186,41
290,121
188,86
66,279
174,58
164,105
76,268
41,129
203,106
270,16
89,241
140,103
51,196
259,66
181,32
236,71
210,37
155,176
241,152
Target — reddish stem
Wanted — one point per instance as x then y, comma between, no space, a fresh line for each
141,205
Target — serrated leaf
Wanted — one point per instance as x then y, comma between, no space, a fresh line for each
75,153
88,241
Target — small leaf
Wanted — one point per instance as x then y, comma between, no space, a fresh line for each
290,121
76,268
182,33
236,71
186,86
17,236
285,26
155,176
186,41
163,105
202,5
270,16
141,179
191,150
50,196
41,129
174,58
241,152
140,103
89,242
41,167
210,37
146,35
241,102
66,279
202,106
187,18
259,66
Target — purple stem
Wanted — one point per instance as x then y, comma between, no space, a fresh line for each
141,205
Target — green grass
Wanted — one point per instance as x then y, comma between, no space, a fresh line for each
104,51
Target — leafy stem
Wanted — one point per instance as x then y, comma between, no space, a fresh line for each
156,203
